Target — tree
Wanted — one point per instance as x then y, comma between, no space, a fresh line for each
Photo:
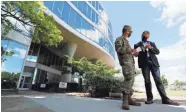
10,76
83,65
31,14
164,80
5,53
179,83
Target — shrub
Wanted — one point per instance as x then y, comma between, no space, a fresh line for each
100,86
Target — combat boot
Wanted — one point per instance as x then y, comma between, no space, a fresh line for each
125,103
133,102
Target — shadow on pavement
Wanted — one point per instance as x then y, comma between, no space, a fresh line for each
158,101
58,103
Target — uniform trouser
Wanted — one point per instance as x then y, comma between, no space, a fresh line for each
157,79
128,71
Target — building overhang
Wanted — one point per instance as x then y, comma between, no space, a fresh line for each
85,47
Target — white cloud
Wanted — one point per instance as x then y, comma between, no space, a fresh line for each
183,30
173,57
173,52
156,4
173,11
21,53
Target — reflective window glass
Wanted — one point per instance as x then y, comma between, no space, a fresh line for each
4,46
85,6
97,5
101,39
78,22
12,60
75,3
49,4
88,28
57,9
72,21
90,33
89,12
100,8
94,4
65,13
96,36
83,26
80,6
96,18
33,52
93,16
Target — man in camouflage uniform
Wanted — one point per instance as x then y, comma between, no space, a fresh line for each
126,59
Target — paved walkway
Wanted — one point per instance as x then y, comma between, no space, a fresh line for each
64,103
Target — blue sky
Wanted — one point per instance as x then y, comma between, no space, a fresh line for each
142,17
13,63
167,23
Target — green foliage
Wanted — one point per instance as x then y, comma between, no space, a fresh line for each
83,65
31,13
179,83
10,76
102,85
164,80
5,53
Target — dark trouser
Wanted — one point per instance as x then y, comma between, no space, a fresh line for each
156,75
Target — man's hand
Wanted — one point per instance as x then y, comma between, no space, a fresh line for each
136,54
148,46
133,51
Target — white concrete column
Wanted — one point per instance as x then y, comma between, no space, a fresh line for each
69,49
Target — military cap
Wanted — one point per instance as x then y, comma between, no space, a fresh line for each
127,27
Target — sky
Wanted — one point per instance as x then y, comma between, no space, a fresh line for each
166,22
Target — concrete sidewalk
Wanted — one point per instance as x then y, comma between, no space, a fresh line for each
63,103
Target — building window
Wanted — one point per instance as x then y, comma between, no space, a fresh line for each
97,5
72,21
93,16
94,4
83,26
100,9
75,3
12,60
58,8
78,23
96,19
49,4
85,6
80,6
66,12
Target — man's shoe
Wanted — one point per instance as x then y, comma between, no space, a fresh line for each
170,102
133,102
125,103
149,102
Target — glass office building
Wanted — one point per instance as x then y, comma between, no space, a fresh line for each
14,48
86,32
88,18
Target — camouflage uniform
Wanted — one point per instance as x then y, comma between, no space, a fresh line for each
126,60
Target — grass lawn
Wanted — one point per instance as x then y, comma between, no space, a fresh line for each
176,92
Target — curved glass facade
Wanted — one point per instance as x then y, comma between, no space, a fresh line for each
88,18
